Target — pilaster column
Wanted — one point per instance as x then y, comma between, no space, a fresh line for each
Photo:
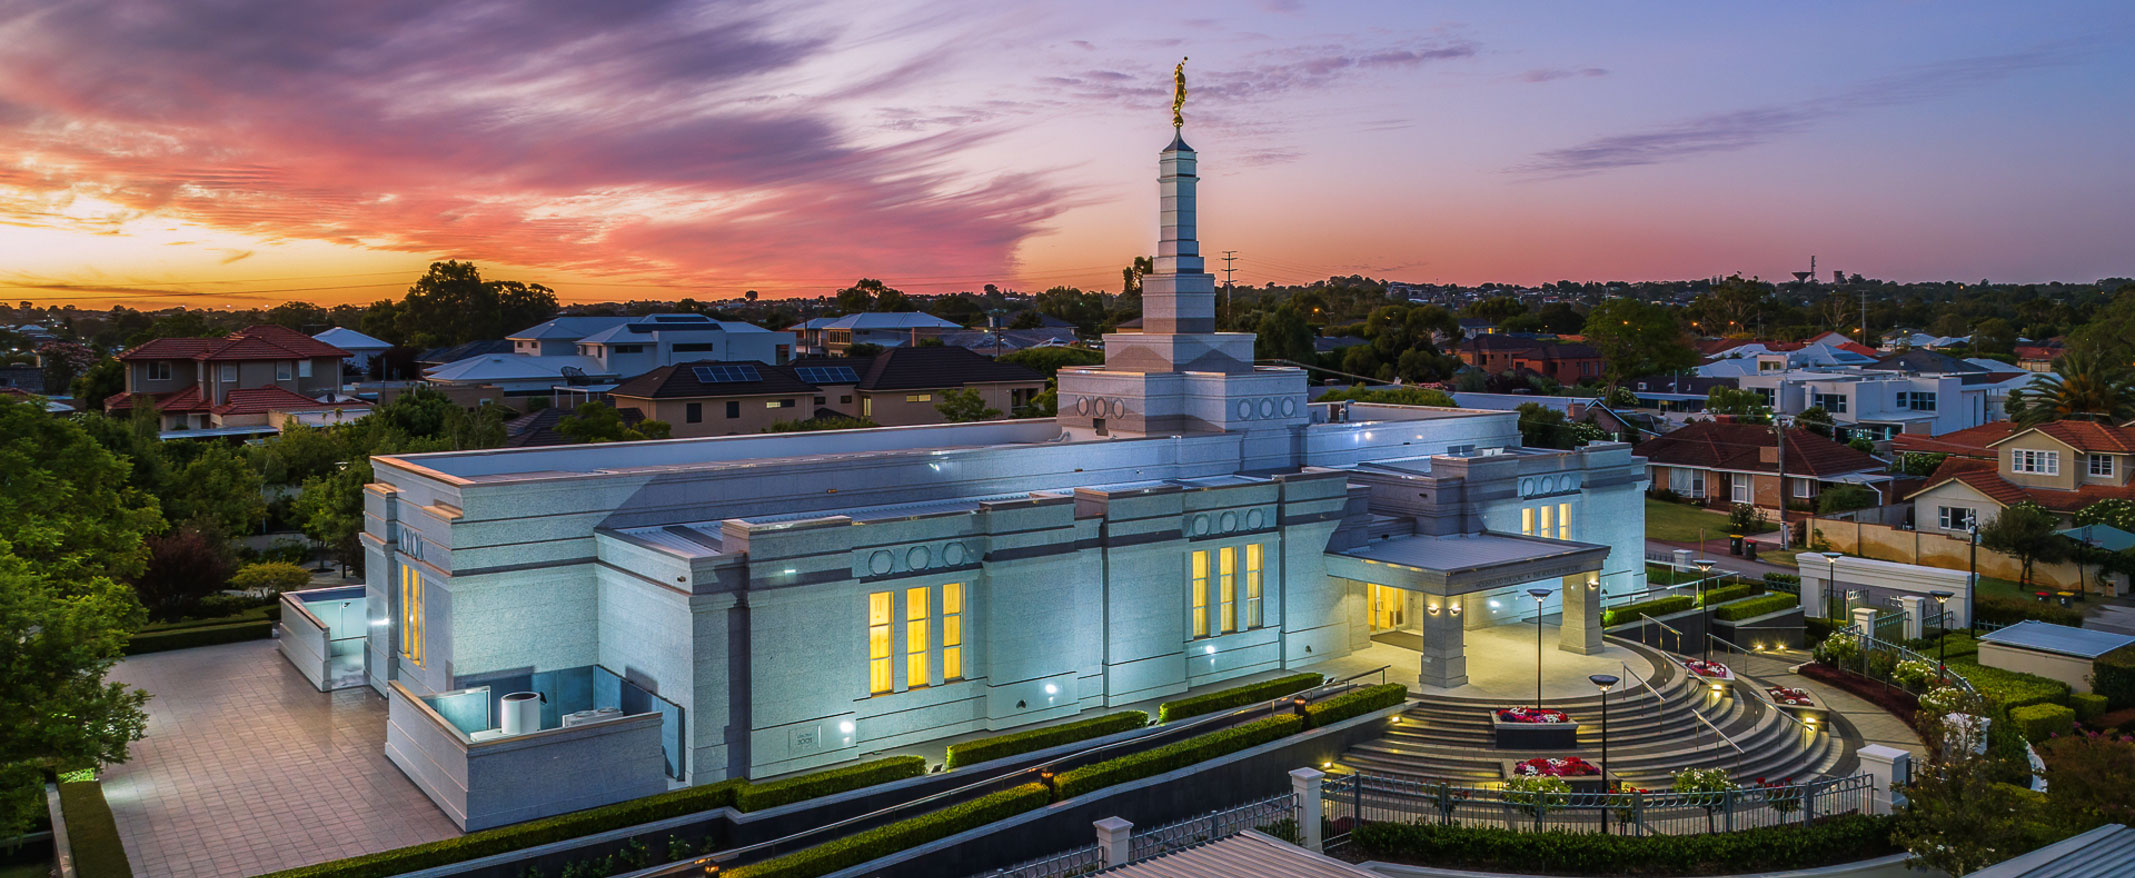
1580,630
1445,646
1888,766
1114,841
1305,787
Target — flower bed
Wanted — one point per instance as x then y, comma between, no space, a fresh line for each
1713,670
1531,715
1555,766
1787,697
1900,703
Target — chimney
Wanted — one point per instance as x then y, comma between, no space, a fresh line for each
1768,454
1723,419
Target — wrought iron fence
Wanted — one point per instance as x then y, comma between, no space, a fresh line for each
1080,861
1353,800
1209,827
1879,659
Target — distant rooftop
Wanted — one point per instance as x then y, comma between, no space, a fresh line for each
2047,637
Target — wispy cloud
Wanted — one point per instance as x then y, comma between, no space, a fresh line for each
1742,129
1552,74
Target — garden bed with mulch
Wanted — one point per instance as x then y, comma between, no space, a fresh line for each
1898,702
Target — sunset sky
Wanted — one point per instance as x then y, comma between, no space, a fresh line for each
254,152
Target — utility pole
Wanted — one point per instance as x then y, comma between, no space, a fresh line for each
1779,430
1864,318
1229,256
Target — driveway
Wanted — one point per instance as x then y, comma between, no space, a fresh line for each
247,769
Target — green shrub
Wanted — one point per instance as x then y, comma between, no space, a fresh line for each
1354,704
1829,840
1236,696
2009,611
2009,690
1815,630
882,841
1149,763
675,803
1001,746
2088,706
1736,592
91,832
759,796
1783,581
1750,609
2113,676
270,576
1624,614
207,635
2041,721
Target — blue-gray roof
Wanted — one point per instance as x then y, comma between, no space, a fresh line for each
2047,637
572,328
2105,851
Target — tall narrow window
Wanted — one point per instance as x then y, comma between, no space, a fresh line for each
1547,529
1564,521
411,614
1527,522
952,631
1227,589
915,636
879,678
1253,618
1200,594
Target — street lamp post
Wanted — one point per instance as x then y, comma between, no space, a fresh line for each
1971,526
1604,682
1942,629
1705,610
1830,579
1540,595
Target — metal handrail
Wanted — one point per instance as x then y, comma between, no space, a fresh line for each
1905,653
1033,771
1760,694
1693,712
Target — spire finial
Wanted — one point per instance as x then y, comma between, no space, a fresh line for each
1178,94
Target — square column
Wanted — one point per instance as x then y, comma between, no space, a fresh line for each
1445,646
1580,630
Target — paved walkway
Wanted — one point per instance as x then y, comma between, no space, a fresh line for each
1874,724
1716,549
247,769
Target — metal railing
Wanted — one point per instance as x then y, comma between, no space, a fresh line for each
1080,861
1869,643
1353,800
1645,619
1209,827
1699,715
1757,692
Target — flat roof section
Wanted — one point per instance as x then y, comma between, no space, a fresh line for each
2040,636
1464,563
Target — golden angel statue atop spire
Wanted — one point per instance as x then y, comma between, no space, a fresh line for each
1178,94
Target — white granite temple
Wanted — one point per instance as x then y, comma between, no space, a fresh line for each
697,609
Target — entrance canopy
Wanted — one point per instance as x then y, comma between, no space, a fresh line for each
1464,563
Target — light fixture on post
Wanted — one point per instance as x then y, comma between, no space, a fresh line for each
1971,526
1942,630
1540,595
1705,612
1830,579
1604,682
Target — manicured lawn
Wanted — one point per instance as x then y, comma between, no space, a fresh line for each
1677,522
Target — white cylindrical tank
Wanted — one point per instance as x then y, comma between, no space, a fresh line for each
522,713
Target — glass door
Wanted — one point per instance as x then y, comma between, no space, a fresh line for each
1389,608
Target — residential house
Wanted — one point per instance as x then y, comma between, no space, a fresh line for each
1563,362
897,387
250,381
361,348
639,345
1730,462
2062,466
2038,358
1886,398
833,336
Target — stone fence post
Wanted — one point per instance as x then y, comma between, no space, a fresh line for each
1115,842
1887,767
1306,783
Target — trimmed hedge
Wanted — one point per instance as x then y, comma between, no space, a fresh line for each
1001,746
1627,613
1783,581
1750,609
92,833
1837,839
206,635
1354,704
1236,696
2041,721
882,841
2088,706
2010,689
2009,611
2113,676
1150,763
759,796
1736,592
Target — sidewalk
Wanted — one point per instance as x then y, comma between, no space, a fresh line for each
1873,724
1716,549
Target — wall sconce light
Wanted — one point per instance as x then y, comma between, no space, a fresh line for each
1455,608
1434,609
1593,583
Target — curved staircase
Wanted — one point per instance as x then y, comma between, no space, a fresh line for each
1652,734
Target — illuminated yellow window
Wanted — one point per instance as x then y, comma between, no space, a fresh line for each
919,397
879,679
1547,529
1227,596
1252,587
1527,522
1564,521
867,406
952,631
915,636
1200,594
411,614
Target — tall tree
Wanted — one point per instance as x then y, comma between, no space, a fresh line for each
1744,405
2083,387
965,404
1283,334
452,304
217,490
66,503
600,422
1637,339
2026,531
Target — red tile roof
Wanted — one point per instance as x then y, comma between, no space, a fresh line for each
258,400
263,342
1968,442
170,349
1732,446
187,400
1985,477
2085,436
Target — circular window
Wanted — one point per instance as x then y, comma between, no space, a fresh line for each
1245,409
1119,407
1199,526
954,554
1289,406
918,558
880,562
1267,408
1229,521
1255,519
1082,405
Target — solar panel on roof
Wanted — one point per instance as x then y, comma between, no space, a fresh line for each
726,374
828,374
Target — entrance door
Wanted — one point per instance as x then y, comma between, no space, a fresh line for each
1389,608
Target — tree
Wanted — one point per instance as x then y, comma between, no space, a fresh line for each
66,501
1050,361
58,643
1994,336
184,566
64,361
1544,427
1918,463
965,404
600,422
216,491
2026,531
1816,420
1623,398
2090,777
2110,511
2110,335
299,454
303,317
1862,444
1961,817
1391,396
861,296
102,381
270,577
1744,405
1496,309
2083,387
1283,334
1637,338
1131,276
1085,310
452,304
1844,498
862,350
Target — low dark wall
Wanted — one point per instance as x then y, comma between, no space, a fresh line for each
1690,622
1778,629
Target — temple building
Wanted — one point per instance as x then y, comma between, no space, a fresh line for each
689,610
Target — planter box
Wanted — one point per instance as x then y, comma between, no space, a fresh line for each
1534,736
1814,712
1591,783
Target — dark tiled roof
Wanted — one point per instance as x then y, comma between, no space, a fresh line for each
1534,348
1924,360
1985,477
1730,446
926,368
263,342
458,352
538,429
1969,442
680,381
